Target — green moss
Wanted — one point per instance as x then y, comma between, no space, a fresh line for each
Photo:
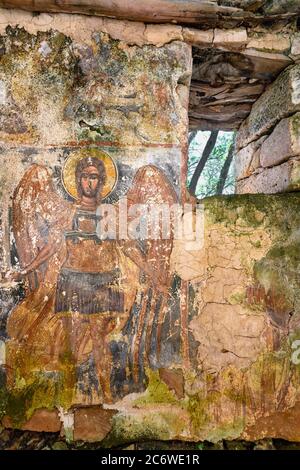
128,428
157,391
231,430
244,207
256,244
197,409
21,404
198,406
94,133
278,273
33,390
275,213
237,298
295,121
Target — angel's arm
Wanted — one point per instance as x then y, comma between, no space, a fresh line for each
51,247
131,250
44,254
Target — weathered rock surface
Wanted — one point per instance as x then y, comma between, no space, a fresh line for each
280,100
268,141
234,39
295,49
281,6
42,420
92,424
243,298
277,179
247,160
284,142
272,42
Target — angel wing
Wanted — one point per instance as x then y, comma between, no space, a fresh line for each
152,188
36,206
147,327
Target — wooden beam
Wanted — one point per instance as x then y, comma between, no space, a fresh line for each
201,12
206,125
150,11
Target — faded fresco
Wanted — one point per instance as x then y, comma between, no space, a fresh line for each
100,303
85,125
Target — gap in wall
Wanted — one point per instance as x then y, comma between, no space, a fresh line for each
217,174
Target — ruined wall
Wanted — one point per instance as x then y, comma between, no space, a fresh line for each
195,342
244,319
232,64
268,142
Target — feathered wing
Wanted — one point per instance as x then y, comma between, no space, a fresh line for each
144,329
152,188
36,209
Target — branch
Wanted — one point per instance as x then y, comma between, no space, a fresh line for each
206,153
192,135
225,170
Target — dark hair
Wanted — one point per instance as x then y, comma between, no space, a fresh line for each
85,163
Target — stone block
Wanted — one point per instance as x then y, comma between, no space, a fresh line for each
92,423
295,49
270,42
42,420
247,159
281,99
198,38
162,34
230,38
284,142
277,7
294,184
278,179
174,380
266,65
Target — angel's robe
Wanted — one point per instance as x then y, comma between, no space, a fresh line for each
89,281
83,278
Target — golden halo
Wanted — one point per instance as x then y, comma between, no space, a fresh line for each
69,168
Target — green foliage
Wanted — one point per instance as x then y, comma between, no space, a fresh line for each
209,178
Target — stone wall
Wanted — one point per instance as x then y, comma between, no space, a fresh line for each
232,65
268,142
244,319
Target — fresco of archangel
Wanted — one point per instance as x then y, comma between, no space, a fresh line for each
102,304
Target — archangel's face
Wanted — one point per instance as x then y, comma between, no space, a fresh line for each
89,181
